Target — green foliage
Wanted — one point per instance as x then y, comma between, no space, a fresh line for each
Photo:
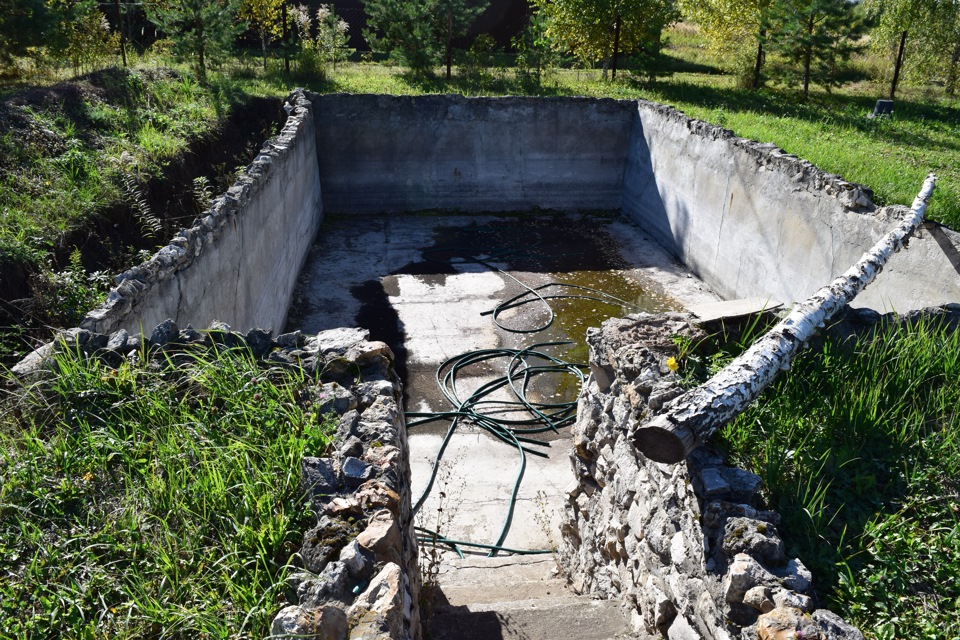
417,32
815,37
23,24
332,39
476,65
199,29
264,16
932,52
82,35
859,451
403,29
735,30
329,46
69,159
63,298
146,501
535,55
595,30
453,19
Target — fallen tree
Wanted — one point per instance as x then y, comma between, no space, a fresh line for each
693,417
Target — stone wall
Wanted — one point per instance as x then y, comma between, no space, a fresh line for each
361,579
403,153
682,545
239,262
754,221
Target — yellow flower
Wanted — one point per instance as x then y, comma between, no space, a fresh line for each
672,363
88,476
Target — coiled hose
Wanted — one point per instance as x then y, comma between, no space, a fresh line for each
510,421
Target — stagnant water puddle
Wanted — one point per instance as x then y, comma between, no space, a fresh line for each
430,286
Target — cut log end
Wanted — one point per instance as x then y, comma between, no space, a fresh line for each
663,441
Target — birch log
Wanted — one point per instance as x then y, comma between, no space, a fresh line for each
696,415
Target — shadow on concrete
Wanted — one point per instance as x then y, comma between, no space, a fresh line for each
448,622
641,200
381,319
949,249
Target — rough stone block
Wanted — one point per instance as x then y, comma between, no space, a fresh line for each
330,585
374,496
382,537
794,575
318,477
785,623
379,609
326,623
833,627
259,342
358,561
324,542
118,341
787,598
681,629
744,574
760,598
165,333
332,397
755,537
356,472
711,483
743,484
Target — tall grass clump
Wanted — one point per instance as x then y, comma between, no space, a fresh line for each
859,451
152,500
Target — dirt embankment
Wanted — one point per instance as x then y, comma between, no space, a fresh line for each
112,238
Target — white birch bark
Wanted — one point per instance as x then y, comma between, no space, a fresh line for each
696,415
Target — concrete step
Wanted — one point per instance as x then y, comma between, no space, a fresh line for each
517,598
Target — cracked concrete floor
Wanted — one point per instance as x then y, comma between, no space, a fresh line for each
413,282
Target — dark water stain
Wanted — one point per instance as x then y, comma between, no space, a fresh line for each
573,250
382,321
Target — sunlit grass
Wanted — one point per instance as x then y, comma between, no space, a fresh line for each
143,502
859,450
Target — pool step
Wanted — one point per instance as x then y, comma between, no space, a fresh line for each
514,598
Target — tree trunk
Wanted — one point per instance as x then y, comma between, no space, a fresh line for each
616,48
123,38
449,52
807,54
952,72
897,65
759,63
695,416
201,49
263,48
286,38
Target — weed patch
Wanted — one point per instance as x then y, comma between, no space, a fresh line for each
152,500
859,453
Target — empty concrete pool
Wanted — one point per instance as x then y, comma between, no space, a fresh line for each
429,212
425,284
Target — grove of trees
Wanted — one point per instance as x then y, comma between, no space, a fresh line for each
792,42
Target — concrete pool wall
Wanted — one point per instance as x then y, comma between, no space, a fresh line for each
754,221
747,218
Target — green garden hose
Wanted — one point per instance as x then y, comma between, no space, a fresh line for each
521,368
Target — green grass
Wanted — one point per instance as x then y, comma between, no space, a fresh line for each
151,501
67,163
859,449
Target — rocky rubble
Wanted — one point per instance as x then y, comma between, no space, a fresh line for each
360,578
682,545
